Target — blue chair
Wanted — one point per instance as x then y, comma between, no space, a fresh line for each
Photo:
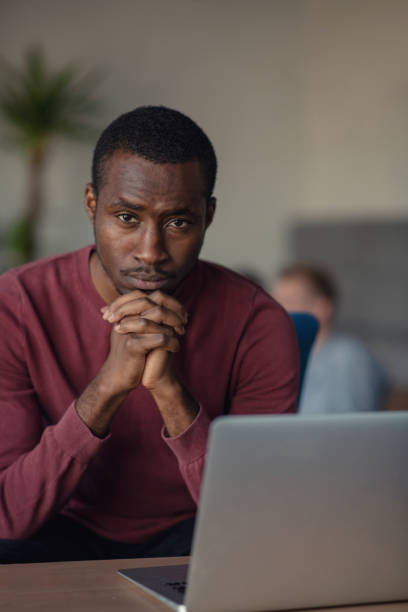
306,326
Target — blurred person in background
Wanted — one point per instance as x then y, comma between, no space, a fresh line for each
342,375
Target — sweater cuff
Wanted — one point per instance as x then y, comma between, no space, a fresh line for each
192,443
75,438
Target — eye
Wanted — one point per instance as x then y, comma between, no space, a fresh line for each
126,218
178,223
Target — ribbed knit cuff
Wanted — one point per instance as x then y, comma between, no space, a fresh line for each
75,438
192,443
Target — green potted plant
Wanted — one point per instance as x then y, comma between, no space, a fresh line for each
37,105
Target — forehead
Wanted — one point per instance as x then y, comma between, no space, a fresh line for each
128,174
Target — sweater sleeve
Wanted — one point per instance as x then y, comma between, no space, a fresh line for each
265,379
40,466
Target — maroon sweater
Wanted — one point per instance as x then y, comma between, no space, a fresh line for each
238,356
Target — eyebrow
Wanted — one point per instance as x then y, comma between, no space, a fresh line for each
126,204
139,207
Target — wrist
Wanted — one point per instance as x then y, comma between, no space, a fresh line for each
97,406
168,389
178,409
109,385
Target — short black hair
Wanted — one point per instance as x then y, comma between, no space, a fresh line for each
160,135
319,279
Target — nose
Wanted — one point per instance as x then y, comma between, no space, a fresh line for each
150,247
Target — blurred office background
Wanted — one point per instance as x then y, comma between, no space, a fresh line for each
306,102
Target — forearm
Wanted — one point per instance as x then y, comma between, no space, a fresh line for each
97,405
37,484
190,450
177,408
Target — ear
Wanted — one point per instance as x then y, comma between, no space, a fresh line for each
90,202
209,215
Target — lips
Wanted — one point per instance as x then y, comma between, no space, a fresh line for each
147,282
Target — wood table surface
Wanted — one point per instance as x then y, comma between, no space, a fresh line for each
95,586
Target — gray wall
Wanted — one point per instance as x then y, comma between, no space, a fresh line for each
305,100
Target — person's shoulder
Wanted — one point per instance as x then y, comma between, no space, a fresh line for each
216,275
348,352
40,273
221,280
346,344
238,294
349,361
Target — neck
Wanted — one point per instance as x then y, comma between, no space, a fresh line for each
102,283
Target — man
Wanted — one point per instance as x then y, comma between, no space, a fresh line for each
342,375
114,359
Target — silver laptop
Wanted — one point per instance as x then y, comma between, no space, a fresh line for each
296,512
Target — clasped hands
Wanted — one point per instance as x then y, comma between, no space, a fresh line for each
144,335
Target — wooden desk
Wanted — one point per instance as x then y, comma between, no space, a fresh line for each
94,586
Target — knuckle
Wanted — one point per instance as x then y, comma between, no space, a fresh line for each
145,302
170,332
156,314
122,327
143,323
120,312
132,343
158,308
157,296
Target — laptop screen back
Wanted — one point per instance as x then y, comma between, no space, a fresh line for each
302,512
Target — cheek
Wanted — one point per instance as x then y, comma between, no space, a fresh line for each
103,230
106,232
187,249
108,245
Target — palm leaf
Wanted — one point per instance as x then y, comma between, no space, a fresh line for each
37,104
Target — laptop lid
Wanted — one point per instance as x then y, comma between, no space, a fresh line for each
300,512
